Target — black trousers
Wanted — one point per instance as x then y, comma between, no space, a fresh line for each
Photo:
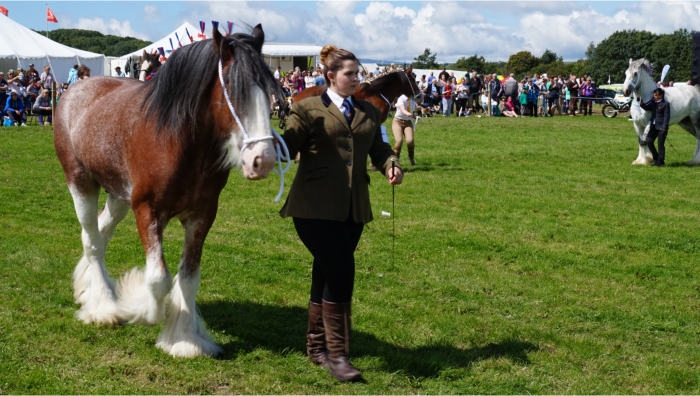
654,134
332,245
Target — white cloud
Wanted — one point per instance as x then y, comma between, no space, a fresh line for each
108,26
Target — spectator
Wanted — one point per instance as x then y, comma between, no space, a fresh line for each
533,92
83,72
509,108
14,109
118,72
72,75
496,92
554,95
3,88
32,75
587,91
13,82
47,78
462,92
42,107
573,87
510,89
446,95
475,88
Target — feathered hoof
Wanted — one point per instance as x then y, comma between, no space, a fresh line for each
191,348
104,315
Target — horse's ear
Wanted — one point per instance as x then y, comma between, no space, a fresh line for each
218,40
259,37
630,61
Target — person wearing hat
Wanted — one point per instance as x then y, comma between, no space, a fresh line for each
32,75
14,109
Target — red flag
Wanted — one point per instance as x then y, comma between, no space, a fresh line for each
50,17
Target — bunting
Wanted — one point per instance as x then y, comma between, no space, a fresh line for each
3,11
230,28
189,35
202,26
215,25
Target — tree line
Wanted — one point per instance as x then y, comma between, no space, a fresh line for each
90,40
610,58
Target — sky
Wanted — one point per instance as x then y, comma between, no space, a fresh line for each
383,30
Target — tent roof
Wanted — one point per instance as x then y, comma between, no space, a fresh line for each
173,40
18,41
179,37
281,49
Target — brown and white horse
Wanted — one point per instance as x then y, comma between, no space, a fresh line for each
150,63
167,154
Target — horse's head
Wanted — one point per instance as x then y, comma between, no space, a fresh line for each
637,77
413,84
246,84
150,62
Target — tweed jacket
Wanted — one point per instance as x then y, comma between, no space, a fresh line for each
332,180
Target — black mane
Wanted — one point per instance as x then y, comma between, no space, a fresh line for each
181,90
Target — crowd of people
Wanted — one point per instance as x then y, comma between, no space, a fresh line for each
537,95
25,93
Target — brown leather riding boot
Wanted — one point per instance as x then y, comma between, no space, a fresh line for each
316,336
336,321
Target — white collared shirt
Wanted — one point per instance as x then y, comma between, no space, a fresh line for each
337,99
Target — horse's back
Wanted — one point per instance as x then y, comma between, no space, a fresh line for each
94,95
684,101
90,124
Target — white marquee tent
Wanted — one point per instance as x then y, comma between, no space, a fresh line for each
285,56
21,46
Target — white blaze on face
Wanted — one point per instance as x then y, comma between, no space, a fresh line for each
258,158
144,66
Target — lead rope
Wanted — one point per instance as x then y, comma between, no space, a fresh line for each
281,148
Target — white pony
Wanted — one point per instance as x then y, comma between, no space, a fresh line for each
684,101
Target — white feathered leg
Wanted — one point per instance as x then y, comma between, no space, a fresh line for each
142,293
184,334
92,286
696,155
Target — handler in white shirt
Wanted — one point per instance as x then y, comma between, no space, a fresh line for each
403,126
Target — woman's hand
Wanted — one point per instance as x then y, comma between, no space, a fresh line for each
394,175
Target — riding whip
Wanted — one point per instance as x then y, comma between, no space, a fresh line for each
393,213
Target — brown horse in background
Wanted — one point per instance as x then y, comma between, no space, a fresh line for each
381,91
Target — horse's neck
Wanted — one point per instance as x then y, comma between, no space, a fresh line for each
645,89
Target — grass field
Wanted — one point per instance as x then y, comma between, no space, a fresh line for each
529,256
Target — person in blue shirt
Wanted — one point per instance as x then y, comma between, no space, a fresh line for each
14,109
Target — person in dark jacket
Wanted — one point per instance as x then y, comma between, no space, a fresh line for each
660,116
334,135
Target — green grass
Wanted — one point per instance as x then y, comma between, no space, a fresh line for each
529,257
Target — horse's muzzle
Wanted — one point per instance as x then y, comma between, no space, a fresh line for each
258,161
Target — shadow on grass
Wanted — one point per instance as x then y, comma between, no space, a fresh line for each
282,330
